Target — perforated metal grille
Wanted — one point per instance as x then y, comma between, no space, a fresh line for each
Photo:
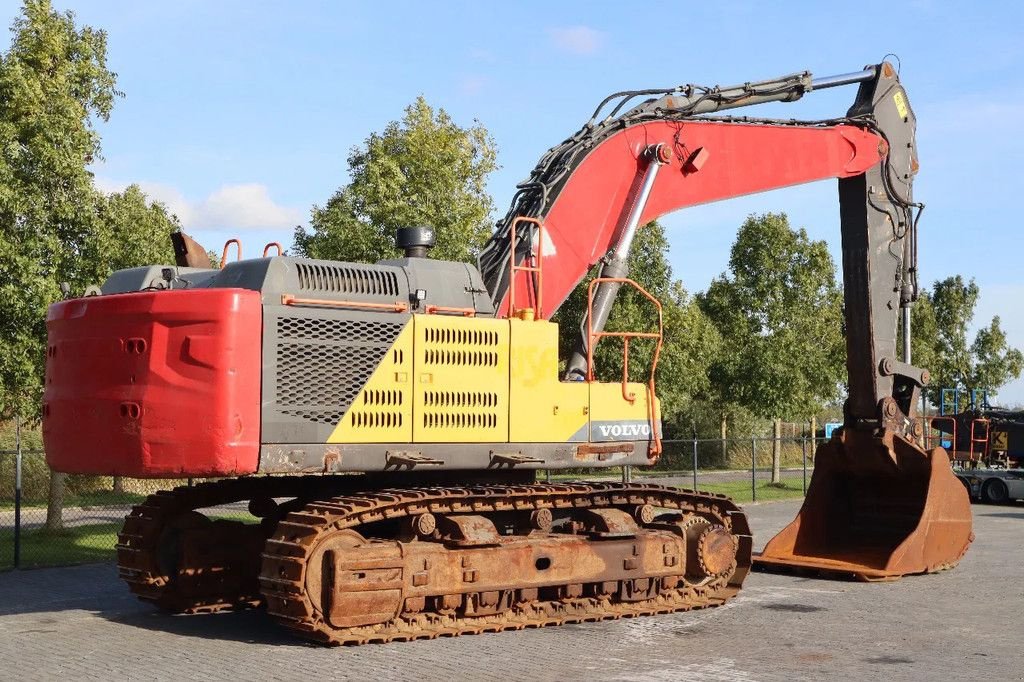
347,279
379,408
322,364
474,337
460,409
467,347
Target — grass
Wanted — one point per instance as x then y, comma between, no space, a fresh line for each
93,543
739,491
76,545
99,498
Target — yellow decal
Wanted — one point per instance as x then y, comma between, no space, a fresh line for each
901,104
542,408
382,410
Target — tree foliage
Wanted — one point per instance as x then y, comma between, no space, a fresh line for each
422,170
939,342
54,226
778,310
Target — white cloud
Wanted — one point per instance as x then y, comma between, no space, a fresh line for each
581,40
231,207
244,206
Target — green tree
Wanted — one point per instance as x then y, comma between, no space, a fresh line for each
923,331
691,342
779,312
939,341
422,170
129,231
55,227
54,82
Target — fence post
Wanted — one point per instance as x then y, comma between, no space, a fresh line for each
17,491
695,459
753,468
804,448
627,473
547,475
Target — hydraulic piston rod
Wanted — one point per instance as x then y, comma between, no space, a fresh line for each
843,79
616,264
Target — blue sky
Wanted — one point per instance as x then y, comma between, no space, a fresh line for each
240,115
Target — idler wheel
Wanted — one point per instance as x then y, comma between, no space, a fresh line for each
716,551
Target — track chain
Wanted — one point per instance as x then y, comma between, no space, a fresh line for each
293,541
192,588
229,579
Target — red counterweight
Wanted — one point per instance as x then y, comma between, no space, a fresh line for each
154,384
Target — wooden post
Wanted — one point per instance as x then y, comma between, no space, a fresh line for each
725,435
55,502
777,452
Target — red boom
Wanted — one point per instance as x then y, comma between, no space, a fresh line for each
711,161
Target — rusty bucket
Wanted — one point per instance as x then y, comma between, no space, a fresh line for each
877,508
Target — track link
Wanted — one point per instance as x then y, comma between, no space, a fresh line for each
156,569
288,552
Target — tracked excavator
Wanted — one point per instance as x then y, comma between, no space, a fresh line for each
384,422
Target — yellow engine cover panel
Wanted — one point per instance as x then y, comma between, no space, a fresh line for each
614,418
382,411
461,377
542,408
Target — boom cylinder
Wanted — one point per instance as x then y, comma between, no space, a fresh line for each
844,79
616,264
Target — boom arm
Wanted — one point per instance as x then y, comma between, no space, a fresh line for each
592,190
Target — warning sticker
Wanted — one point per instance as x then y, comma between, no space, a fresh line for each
901,104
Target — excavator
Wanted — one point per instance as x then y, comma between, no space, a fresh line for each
384,423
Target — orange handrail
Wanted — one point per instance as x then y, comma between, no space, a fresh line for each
593,337
224,254
538,268
465,312
396,307
266,248
982,441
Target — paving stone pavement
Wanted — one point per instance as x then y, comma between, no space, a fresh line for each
80,623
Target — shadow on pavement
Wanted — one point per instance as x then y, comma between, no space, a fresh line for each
96,589
252,626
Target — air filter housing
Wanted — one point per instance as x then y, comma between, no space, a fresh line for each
415,241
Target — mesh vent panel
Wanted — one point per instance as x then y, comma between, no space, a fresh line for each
347,279
322,364
338,330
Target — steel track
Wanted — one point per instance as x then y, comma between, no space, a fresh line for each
194,588
287,553
225,576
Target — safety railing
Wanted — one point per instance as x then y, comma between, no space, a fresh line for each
593,337
227,246
534,267
979,439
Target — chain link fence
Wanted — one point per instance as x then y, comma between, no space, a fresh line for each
49,519
741,468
